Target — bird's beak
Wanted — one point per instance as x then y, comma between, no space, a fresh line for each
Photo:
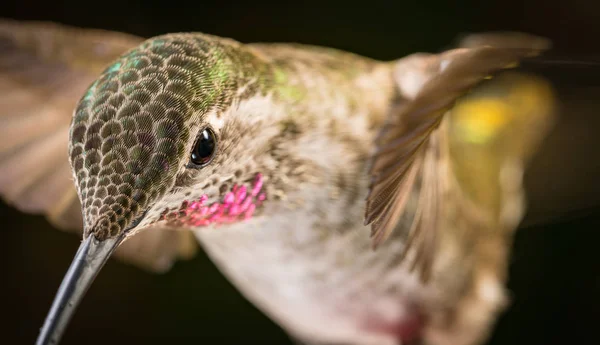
90,258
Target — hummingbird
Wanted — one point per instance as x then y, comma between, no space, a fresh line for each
352,200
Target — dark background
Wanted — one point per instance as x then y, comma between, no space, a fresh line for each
555,267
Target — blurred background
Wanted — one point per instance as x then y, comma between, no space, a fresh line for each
555,267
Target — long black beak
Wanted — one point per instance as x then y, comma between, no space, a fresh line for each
90,258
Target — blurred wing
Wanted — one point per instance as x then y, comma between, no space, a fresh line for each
504,40
410,148
44,69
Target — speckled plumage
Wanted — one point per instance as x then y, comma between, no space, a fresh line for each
307,123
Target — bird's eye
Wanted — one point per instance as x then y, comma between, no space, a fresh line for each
204,148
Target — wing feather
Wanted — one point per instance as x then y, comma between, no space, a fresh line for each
408,153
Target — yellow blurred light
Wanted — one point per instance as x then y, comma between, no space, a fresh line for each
479,120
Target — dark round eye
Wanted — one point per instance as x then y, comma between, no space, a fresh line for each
204,148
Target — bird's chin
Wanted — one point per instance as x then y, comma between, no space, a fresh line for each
240,203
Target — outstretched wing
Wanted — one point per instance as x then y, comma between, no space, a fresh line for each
412,151
44,70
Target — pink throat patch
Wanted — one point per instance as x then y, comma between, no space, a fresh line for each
238,204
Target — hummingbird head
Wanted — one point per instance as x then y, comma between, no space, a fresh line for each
157,137
167,134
